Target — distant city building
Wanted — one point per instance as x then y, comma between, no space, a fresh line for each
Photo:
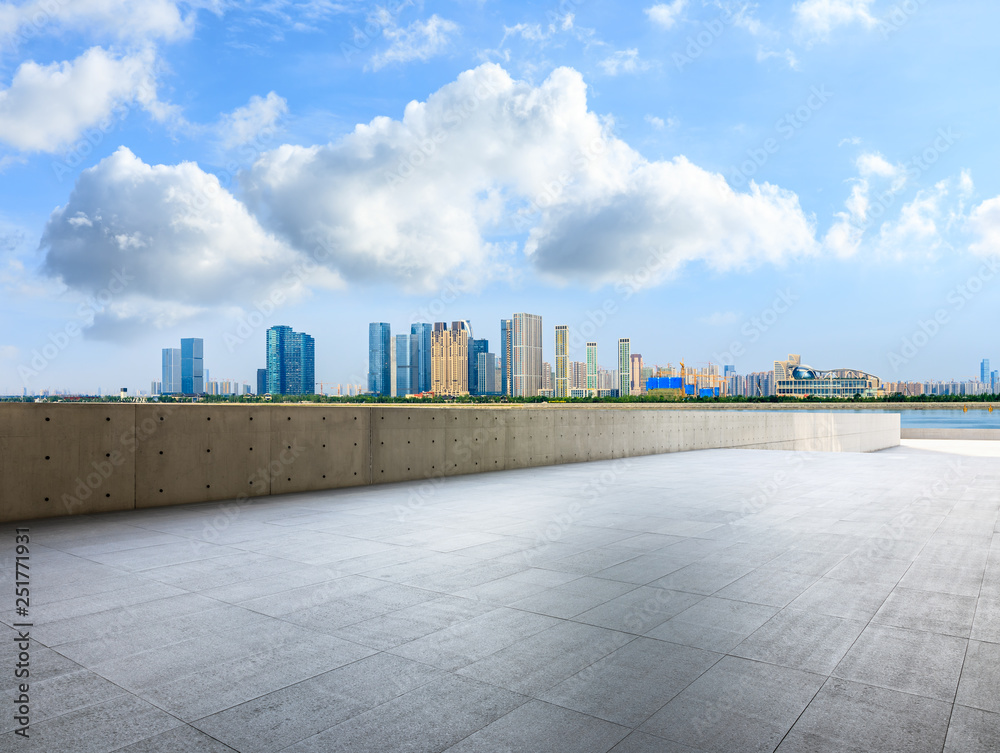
476,349
984,371
450,359
170,372
379,358
156,388
624,366
486,370
592,367
403,369
192,366
261,381
291,362
562,380
506,356
527,347
577,375
548,377
636,383
793,379
420,357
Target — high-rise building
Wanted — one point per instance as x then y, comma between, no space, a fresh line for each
984,371
192,366
450,359
486,370
783,369
403,368
592,366
548,377
637,384
506,356
624,366
527,347
420,357
562,361
476,348
379,358
291,362
261,381
171,371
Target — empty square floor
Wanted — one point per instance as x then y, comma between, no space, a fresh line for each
717,601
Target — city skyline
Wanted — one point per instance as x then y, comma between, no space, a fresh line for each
585,168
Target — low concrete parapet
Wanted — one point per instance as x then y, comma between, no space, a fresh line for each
993,434
63,459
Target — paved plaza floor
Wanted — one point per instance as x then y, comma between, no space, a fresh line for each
724,600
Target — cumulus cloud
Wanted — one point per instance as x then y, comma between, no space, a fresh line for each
46,107
984,223
665,15
122,19
421,40
246,123
181,242
817,18
415,200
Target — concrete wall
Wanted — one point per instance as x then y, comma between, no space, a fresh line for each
59,459
993,434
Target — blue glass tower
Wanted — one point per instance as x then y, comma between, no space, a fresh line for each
261,381
192,366
379,358
291,362
420,357
403,369
475,348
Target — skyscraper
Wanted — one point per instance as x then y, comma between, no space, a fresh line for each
636,382
476,348
450,359
624,366
487,370
420,357
592,366
192,366
291,362
171,371
984,371
404,370
379,358
562,361
261,381
506,357
527,347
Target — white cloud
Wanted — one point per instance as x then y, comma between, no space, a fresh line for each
851,141
182,242
817,18
421,40
666,15
873,163
984,224
624,61
655,122
245,124
46,107
122,19
788,56
415,201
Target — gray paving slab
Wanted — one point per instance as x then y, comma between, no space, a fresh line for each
910,661
639,610
633,682
973,731
714,624
949,614
801,640
980,674
183,739
543,728
737,706
848,717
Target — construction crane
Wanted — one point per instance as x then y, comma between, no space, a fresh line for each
322,387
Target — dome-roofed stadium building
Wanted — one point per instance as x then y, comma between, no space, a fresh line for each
792,378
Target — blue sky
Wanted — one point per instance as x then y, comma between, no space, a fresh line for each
719,181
